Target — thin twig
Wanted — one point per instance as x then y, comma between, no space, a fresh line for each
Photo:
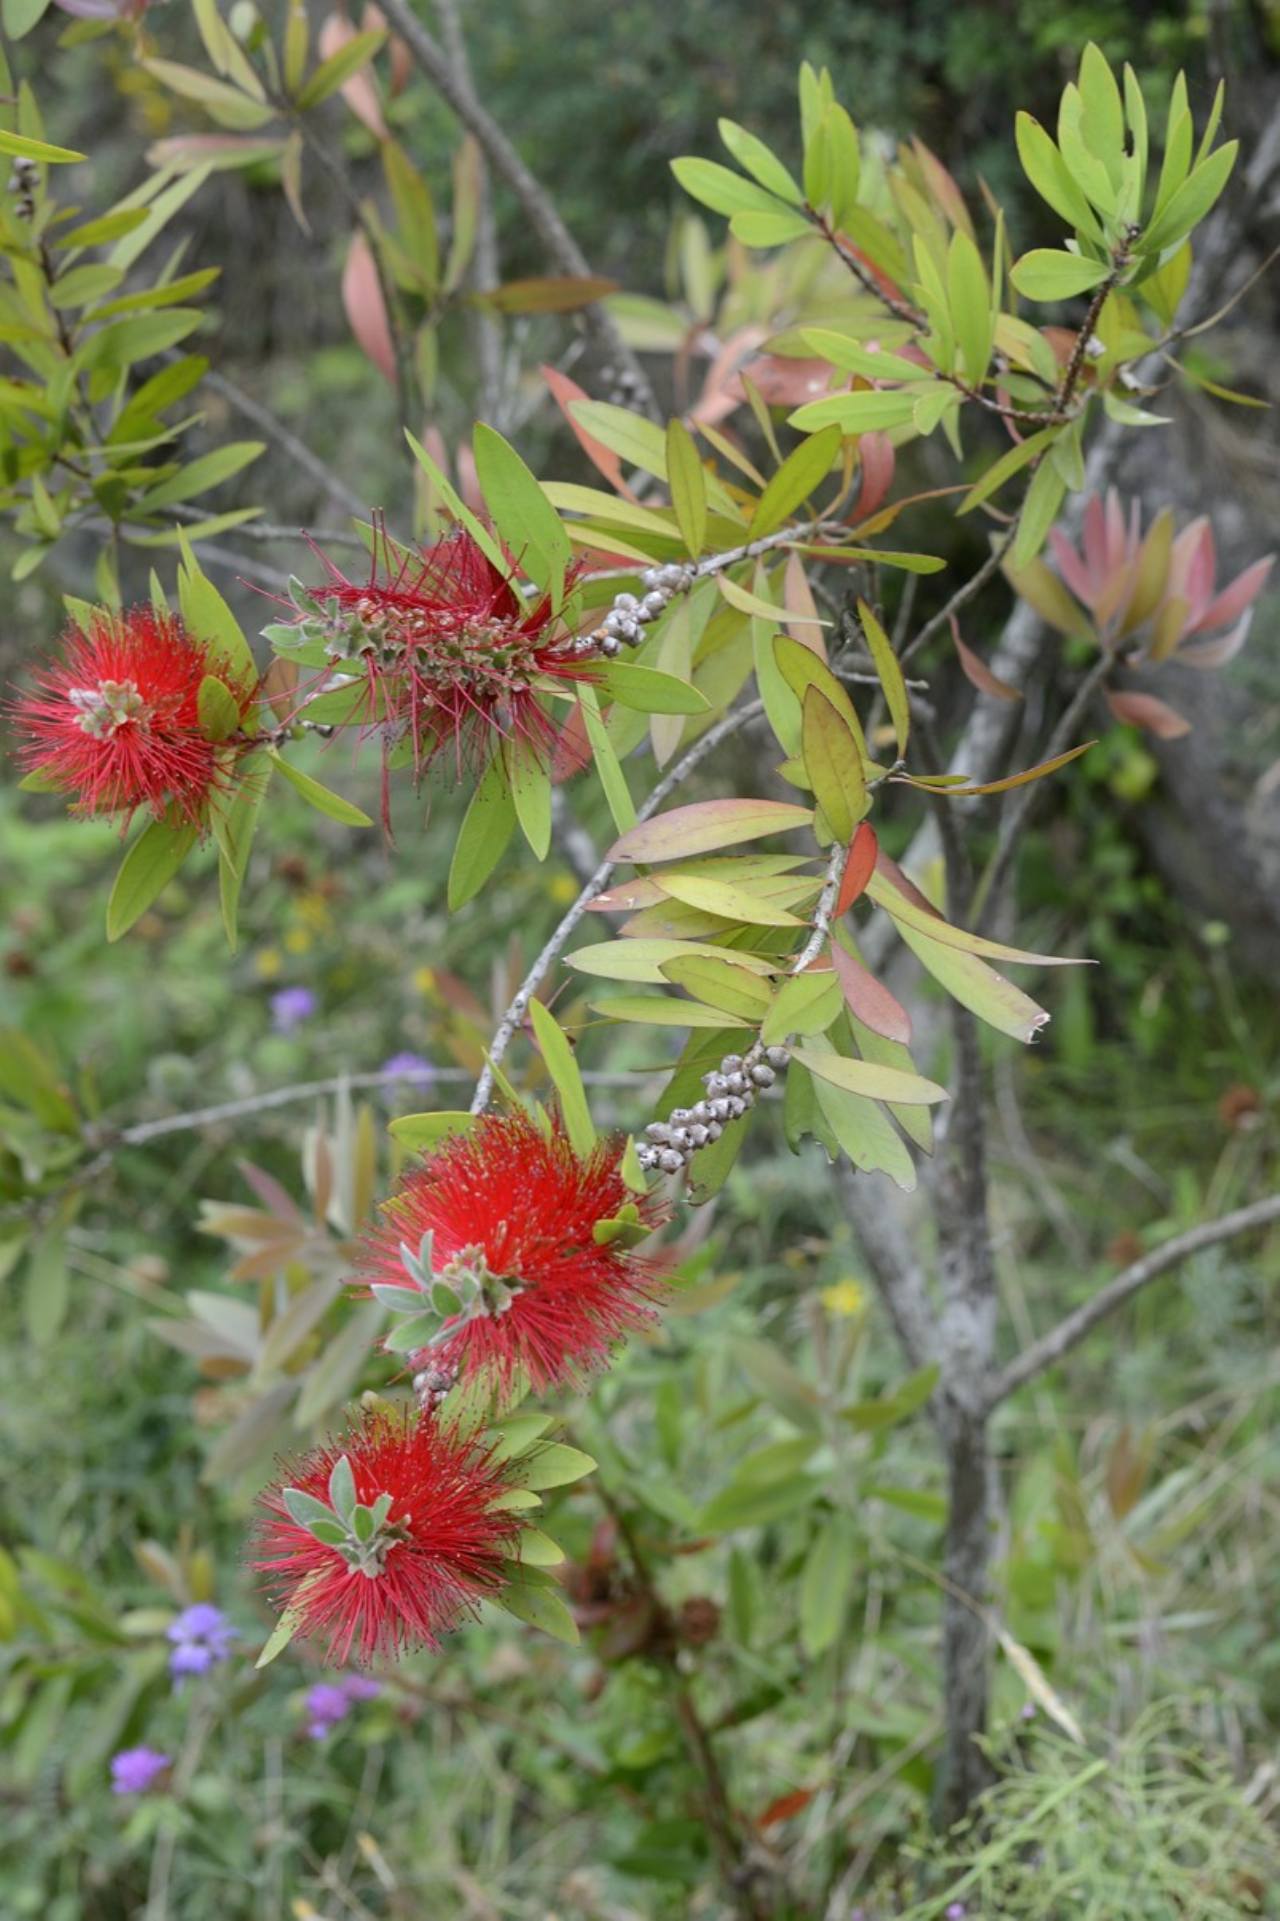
537,205
485,272
1051,1348
390,299
824,912
514,1016
285,439
965,592
986,899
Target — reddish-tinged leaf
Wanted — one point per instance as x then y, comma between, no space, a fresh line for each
359,92
572,750
859,866
785,1806
976,671
633,894
564,391
1145,711
362,300
783,382
869,1000
877,459
706,825
802,622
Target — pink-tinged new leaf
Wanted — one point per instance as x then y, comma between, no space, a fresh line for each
360,92
706,825
1145,711
976,671
364,306
877,460
869,999
564,392
1234,600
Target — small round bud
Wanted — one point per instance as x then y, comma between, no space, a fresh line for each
735,1083
731,1063
697,1134
720,1108
658,1131
680,1138
678,1116
652,605
763,1075
714,1130
737,1107
777,1056
669,1161
610,646
625,603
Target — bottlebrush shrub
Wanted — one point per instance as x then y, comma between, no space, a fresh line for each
509,1253
701,584
385,1540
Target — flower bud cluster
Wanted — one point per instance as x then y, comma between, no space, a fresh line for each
361,1534
732,1088
630,614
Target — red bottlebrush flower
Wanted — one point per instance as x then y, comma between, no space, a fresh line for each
498,1225
395,1549
450,648
115,722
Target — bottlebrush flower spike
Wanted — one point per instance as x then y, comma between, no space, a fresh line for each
509,1251
1162,583
450,650
116,721
387,1540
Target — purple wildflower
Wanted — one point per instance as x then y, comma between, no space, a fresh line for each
330,1702
290,1007
955,1911
201,1637
133,1770
408,1067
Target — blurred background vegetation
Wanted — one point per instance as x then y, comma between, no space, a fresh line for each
512,1778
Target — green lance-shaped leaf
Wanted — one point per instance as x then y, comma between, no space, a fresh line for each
457,507
523,516
825,1586
217,709
886,665
859,413
763,165
976,986
646,689
150,864
22,147
319,796
863,1131
555,1465
1039,511
721,189
530,782
688,483
1191,202
804,470
566,1076
540,1607
1045,274
833,764
482,840
969,297
721,984
869,1078
339,68
420,1131
805,1004
208,618
1049,175
801,668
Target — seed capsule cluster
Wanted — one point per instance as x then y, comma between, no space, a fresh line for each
731,1089
624,624
431,1384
